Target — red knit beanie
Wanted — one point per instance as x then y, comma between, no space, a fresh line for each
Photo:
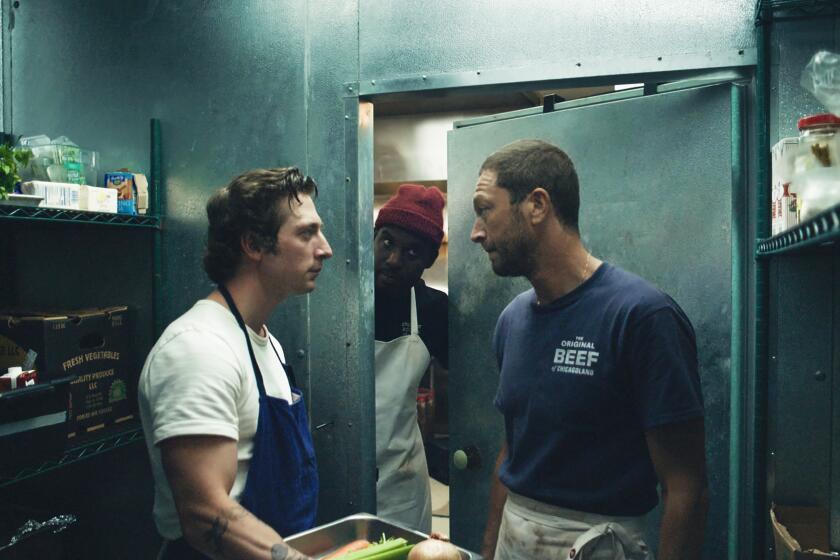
417,209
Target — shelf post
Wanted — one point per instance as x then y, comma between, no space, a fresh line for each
759,383
158,210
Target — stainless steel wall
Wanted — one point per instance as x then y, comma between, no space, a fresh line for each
405,38
240,85
341,311
231,84
227,83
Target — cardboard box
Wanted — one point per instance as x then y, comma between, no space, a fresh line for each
122,182
783,212
91,344
56,195
72,197
142,185
800,533
97,199
16,378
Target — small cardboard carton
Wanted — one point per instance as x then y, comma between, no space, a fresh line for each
72,196
122,182
55,195
784,213
800,533
97,199
142,185
16,378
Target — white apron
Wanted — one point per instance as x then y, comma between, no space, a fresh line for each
533,530
402,490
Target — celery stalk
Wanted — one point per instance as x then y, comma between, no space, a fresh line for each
400,553
375,549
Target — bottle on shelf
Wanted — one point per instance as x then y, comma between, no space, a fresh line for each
816,173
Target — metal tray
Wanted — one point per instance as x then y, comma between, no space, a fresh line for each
321,541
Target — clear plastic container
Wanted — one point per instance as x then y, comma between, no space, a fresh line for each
60,161
817,164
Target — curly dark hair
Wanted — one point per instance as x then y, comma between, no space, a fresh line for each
247,206
524,165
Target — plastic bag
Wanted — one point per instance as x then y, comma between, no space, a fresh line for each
821,77
33,528
38,140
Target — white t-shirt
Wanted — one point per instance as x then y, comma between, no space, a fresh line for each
198,380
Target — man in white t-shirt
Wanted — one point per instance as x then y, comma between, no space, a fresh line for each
223,487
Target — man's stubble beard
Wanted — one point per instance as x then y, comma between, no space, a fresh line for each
516,254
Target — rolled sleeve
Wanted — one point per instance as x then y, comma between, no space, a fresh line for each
194,386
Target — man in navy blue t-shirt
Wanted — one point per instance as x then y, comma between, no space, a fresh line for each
599,382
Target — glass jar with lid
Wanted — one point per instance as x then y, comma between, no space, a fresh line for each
816,174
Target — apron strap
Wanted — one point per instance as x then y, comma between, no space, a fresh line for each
290,372
414,328
233,309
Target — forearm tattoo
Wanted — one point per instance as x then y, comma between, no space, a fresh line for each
216,533
282,551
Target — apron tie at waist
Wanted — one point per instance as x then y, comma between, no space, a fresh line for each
607,536
533,530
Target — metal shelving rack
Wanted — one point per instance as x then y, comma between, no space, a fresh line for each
813,235
820,231
132,432
786,10
78,453
58,215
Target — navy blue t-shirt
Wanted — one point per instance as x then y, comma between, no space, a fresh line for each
582,379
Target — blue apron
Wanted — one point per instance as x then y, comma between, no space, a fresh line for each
282,484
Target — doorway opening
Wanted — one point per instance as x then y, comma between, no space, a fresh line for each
410,146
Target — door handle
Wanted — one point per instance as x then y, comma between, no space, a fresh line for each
467,458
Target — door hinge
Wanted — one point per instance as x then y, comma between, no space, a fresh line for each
549,101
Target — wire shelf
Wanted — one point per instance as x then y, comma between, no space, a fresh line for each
780,10
821,230
79,453
59,215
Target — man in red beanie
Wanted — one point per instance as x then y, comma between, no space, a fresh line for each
411,329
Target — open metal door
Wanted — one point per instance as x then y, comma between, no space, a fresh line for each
656,182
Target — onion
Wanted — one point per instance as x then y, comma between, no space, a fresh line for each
433,549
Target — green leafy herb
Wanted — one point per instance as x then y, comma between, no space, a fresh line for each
11,160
